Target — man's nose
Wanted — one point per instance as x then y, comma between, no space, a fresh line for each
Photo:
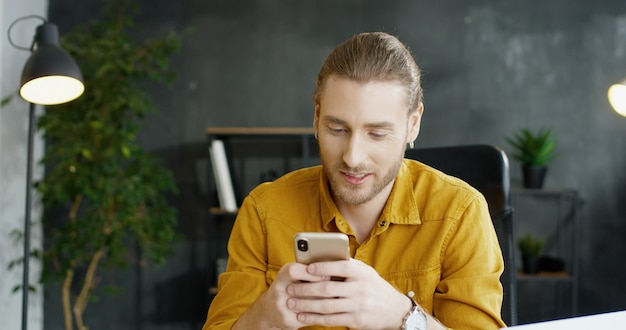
354,154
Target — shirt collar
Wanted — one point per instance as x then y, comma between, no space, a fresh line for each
401,207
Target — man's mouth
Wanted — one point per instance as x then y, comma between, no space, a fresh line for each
355,178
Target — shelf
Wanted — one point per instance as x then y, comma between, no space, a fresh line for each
221,211
277,149
254,155
545,276
551,214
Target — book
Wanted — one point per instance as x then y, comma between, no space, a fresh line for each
223,180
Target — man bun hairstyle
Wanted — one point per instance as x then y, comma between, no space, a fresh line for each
373,56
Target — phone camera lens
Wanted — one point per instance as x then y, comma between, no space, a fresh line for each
303,245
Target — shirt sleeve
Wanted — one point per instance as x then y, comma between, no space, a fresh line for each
244,280
469,295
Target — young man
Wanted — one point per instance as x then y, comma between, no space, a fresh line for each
412,229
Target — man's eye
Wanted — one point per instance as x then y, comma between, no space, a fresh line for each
337,130
378,135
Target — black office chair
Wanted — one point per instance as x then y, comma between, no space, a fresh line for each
486,168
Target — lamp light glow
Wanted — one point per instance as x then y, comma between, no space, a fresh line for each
50,90
617,97
50,76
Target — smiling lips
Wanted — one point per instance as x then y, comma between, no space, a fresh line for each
355,179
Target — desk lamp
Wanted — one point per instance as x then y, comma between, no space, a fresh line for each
50,76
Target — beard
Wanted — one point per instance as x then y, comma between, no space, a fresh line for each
358,194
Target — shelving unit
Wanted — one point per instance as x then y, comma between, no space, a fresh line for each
254,154
551,214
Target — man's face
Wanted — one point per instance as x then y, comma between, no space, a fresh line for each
363,129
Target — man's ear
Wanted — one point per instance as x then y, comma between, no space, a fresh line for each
316,116
414,122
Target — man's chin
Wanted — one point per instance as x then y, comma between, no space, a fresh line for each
352,197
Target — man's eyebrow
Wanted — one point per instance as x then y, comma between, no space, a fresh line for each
382,124
334,119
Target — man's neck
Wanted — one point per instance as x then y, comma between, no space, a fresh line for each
363,217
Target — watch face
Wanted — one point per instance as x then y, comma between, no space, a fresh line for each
416,321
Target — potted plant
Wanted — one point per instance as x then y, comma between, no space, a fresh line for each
530,249
102,193
534,151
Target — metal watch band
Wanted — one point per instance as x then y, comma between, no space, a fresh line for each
415,320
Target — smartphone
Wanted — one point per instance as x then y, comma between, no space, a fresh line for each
313,247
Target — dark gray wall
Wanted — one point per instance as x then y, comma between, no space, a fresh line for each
490,67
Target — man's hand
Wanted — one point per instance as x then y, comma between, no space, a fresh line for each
364,300
304,295
270,311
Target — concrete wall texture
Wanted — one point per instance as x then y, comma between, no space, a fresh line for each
13,154
490,67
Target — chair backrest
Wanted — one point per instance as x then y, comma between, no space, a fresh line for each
486,168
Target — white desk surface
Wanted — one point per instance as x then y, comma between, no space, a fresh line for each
605,321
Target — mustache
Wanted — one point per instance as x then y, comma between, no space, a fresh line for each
351,170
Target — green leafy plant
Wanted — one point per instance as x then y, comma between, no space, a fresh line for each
102,192
530,246
535,149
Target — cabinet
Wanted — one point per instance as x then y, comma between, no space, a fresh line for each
550,214
254,155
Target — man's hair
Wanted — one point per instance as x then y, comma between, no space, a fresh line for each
375,56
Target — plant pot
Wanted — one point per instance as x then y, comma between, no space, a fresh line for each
533,176
530,264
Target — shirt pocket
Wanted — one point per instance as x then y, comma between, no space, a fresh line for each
422,282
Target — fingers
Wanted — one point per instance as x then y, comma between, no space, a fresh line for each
273,310
330,279
321,289
323,311
305,294
330,312
334,305
296,272
347,269
331,320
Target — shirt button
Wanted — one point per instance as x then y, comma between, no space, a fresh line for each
383,223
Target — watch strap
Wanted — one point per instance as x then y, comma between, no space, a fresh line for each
409,320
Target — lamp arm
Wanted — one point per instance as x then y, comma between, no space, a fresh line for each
19,20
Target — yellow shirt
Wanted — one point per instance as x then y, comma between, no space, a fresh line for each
434,237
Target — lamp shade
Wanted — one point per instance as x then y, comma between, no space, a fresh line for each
50,76
617,97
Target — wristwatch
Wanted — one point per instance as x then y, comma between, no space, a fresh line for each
416,319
